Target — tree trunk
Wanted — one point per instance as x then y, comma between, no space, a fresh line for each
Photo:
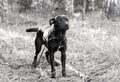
92,4
84,9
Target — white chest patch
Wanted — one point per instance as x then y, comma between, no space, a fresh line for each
46,31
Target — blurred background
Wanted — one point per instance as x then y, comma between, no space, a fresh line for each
110,8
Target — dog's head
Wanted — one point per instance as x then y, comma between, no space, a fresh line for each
61,25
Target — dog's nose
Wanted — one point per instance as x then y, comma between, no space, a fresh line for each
66,25
61,35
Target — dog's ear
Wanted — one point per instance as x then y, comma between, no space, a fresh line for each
52,21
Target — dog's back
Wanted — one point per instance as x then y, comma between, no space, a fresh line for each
47,30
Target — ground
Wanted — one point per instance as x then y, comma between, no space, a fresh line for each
93,50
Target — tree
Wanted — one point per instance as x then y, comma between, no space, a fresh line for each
112,9
84,9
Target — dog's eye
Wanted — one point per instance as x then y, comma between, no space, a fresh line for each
66,19
61,19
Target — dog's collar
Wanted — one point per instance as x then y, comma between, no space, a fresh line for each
54,38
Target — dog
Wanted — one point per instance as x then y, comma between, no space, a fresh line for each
54,38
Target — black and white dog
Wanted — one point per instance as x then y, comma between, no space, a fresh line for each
54,38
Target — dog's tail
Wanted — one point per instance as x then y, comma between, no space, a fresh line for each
32,30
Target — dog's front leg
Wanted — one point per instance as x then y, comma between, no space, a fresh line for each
63,61
53,73
48,59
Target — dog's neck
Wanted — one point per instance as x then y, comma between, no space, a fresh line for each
56,38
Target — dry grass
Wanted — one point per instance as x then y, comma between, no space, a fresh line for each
93,49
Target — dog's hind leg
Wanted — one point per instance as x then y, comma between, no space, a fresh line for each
38,44
47,54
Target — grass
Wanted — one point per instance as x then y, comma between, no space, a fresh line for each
93,49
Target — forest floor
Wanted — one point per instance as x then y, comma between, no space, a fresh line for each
93,50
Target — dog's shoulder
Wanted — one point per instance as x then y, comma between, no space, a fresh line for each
47,30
